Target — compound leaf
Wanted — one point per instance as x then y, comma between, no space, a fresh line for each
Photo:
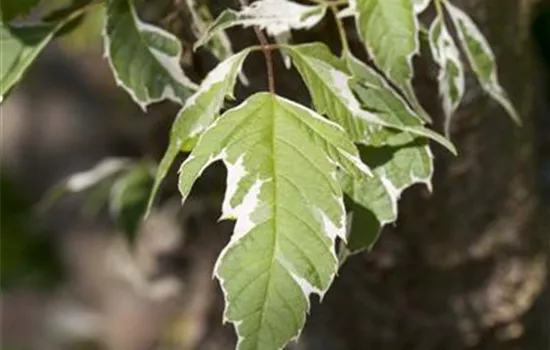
282,189
144,58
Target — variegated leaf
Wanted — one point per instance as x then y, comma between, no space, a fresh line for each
288,217
451,71
145,59
199,112
275,16
220,46
398,160
481,57
333,91
404,160
390,31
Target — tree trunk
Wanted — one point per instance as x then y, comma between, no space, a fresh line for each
466,266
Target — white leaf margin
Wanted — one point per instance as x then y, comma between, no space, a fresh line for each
492,85
171,63
445,51
277,17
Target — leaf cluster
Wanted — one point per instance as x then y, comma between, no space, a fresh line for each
300,179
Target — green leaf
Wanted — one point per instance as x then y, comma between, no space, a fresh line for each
20,47
220,46
275,16
10,9
199,112
333,91
390,30
144,58
451,71
21,44
481,58
128,198
288,216
398,159
403,161
377,95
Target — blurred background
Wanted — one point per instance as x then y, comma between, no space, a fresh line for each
464,268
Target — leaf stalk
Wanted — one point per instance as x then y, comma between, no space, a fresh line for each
267,54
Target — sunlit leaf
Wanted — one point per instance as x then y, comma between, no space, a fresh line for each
199,112
288,216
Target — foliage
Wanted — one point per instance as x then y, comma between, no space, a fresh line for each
307,185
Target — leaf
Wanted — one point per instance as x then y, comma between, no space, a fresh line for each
220,45
481,58
15,8
144,58
398,160
390,30
84,180
21,44
20,47
288,216
199,112
275,16
451,72
330,86
404,160
128,198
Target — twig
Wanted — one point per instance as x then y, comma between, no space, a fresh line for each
341,29
267,54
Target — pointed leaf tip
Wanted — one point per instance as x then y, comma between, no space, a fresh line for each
287,217
481,58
